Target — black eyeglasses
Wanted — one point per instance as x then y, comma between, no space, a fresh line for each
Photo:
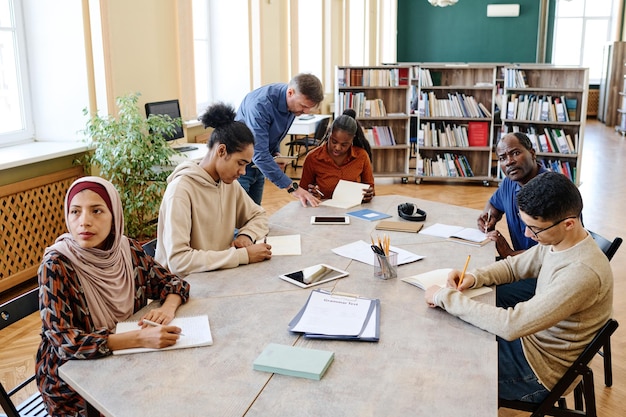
536,232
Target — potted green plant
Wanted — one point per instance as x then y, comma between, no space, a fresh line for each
130,150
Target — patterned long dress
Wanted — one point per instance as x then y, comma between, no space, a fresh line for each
68,331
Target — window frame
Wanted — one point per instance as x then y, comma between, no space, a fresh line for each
612,22
27,132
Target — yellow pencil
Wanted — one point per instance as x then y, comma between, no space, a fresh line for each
464,269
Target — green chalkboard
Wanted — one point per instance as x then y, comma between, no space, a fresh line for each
464,33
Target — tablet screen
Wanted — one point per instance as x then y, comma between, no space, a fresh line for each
313,275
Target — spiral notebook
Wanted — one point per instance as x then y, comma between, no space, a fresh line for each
196,332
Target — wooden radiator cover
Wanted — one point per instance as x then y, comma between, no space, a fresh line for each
31,219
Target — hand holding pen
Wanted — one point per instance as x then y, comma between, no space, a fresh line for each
175,329
315,190
456,279
487,220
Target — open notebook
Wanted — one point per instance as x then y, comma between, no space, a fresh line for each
439,277
347,194
196,330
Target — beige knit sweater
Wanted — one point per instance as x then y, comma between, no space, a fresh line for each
573,300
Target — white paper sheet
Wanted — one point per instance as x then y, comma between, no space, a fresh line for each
348,315
362,251
285,245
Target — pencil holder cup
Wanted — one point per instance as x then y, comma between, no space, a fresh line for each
386,267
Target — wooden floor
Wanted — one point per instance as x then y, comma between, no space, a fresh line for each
603,177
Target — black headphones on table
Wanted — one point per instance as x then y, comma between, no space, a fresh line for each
410,211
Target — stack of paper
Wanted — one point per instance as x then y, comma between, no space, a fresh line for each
294,361
362,251
336,316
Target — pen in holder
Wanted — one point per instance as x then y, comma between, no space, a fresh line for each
386,266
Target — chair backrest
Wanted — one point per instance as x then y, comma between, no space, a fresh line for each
11,312
580,368
580,365
320,130
609,248
150,247
19,307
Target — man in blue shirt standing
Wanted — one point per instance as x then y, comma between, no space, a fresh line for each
269,112
519,163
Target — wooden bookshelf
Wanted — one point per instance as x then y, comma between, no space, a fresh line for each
365,89
540,88
452,99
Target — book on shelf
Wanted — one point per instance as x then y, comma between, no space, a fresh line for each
511,109
561,166
544,145
383,136
341,77
478,133
448,165
561,141
560,110
571,104
483,108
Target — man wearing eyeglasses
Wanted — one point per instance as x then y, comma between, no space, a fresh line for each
519,163
540,338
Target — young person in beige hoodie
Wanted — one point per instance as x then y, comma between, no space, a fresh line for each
203,205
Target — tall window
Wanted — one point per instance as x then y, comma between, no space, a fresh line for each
15,123
224,66
221,51
310,30
581,28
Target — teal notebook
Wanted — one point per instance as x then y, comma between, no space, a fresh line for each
294,361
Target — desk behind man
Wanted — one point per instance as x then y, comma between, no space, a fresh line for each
269,112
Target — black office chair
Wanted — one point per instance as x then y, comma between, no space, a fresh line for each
150,247
11,312
307,142
584,393
609,248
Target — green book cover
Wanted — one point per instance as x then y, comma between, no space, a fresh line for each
294,361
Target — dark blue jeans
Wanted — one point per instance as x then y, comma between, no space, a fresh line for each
253,182
507,295
516,379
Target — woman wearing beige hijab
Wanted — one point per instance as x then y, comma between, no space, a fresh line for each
90,279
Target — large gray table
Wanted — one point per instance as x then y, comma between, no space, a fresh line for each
426,362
